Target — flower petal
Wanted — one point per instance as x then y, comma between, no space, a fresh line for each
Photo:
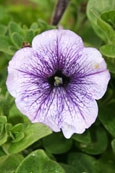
80,112
45,108
57,47
25,72
14,79
60,109
92,74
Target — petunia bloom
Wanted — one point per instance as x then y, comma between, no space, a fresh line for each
57,80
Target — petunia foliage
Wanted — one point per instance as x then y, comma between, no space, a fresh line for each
57,86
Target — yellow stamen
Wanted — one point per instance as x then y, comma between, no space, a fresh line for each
58,81
97,66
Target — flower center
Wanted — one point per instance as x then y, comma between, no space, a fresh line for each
58,79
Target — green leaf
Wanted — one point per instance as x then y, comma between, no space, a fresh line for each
109,17
106,163
3,61
43,25
82,162
3,132
108,50
100,6
59,144
8,164
98,144
14,27
107,117
106,29
34,26
87,36
2,153
18,133
110,64
4,45
113,145
106,167
29,36
18,137
38,161
69,168
17,39
1,128
16,117
3,138
8,127
83,138
3,119
18,128
33,132
6,102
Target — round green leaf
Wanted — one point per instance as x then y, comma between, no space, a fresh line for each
102,166
3,138
94,10
59,144
14,27
33,132
82,162
109,17
69,168
17,39
107,117
113,145
37,162
106,163
9,163
3,130
29,36
4,44
110,64
98,143
84,138
108,50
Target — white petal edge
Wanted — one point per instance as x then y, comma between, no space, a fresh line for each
96,73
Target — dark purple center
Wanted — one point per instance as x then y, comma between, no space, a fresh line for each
58,79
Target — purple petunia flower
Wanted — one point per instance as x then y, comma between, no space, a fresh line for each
57,81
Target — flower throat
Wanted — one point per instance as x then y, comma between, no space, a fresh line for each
58,79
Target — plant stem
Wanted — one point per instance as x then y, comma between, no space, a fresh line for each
59,11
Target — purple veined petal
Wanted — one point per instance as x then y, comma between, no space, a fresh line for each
60,110
25,72
80,112
92,73
57,47
45,108
69,46
14,76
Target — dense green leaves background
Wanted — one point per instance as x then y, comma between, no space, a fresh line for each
34,148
